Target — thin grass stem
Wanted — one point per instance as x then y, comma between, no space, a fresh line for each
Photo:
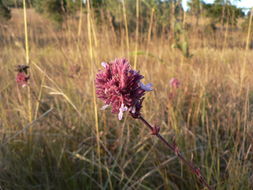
136,33
92,67
126,26
27,62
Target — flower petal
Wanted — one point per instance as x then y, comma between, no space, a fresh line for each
133,109
104,64
120,115
104,107
147,87
121,111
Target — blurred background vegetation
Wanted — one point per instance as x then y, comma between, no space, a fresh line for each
57,10
167,16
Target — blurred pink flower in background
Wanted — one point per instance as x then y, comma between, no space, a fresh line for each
118,86
22,76
174,83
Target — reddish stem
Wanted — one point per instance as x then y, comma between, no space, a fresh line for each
175,149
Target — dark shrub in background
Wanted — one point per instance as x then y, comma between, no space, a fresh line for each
5,12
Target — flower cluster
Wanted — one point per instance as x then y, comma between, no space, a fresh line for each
120,87
22,76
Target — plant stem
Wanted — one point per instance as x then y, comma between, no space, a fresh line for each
175,149
27,58
126,27
92,68
136,33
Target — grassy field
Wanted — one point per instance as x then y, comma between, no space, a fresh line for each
54,135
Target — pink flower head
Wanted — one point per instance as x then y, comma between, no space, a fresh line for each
118,86
22,79
22,75
174,83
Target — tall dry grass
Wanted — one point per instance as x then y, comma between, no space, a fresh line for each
76,146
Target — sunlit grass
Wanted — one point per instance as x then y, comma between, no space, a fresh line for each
210,116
